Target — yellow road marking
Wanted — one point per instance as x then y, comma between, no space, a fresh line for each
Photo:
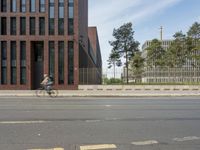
48,149
94,147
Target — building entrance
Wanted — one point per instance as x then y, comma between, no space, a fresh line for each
37,51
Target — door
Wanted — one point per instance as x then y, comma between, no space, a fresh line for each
37,63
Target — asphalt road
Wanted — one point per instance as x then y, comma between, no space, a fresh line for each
100,123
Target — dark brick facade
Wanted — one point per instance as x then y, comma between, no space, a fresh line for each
79,38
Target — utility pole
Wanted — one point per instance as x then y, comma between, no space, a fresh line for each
161,33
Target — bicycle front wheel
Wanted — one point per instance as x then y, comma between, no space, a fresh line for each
40,92
53,93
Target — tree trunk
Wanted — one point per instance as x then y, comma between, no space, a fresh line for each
114,70
126,67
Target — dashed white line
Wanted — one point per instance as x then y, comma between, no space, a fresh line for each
91,121
22,122
140,143
189,138
96,147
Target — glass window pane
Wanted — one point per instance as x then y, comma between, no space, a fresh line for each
32,25
42,26
13,26
23,6
3,26
22,25
3,5
13,6
32,6
22,62
61,62
42,5
3,62
70,62
51,59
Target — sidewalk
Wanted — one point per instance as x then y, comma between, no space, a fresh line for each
107,93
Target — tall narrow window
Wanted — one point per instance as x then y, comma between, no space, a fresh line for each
13,29
22,5
3,62
61,62
13,63
22,62
22,25
51,59
70,62
3,5
51,17
3,26
32,6
32,25
13,7
42,5
71,17
61,18
42,26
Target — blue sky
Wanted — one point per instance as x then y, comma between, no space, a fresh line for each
146,15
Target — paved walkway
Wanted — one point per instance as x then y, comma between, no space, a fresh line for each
108,93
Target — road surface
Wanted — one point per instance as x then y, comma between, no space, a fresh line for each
100,123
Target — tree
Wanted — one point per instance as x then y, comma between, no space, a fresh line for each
194,31
155,54
137,66
177,52
194,43
125,43
114,60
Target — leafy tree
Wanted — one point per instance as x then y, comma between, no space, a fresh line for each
155,54
193,44
177,52
114,60
137,66
125,43
194,31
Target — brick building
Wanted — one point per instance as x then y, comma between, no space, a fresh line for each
44,37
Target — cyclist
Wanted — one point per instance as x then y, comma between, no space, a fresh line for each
47,83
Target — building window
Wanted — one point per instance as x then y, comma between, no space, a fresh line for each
22,25
42,26
13,63
42,5
3,62
22,62
32,25
51,59
51,17
3,5
61,62
13,28
61,18
3,26
13,7
70,62
23,6
71,17
32,6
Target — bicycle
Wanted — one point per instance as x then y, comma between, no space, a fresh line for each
43,90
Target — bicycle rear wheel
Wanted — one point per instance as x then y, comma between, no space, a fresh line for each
40,92
53,93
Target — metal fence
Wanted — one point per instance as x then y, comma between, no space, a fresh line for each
171,75
89,76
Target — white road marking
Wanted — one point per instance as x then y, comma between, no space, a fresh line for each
90,121
189,138
96,147
140,143
22,122
48,149
108,105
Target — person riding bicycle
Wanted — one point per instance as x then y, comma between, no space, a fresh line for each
47,83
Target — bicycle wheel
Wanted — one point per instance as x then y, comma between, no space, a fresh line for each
53,93
40,92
